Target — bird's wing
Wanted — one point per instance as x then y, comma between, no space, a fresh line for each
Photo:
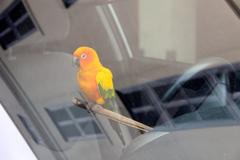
105,84
104,80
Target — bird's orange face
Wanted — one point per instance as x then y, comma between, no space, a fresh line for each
85,57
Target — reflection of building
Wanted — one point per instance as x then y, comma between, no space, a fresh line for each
211,97
73,123
169,38
42,81
15,24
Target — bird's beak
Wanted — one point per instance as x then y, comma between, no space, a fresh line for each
76,62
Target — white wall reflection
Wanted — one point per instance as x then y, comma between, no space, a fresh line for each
168,29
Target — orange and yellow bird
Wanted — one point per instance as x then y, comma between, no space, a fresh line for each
95,80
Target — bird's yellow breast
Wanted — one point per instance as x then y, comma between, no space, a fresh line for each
88,85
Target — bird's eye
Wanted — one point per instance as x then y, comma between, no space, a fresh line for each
83,56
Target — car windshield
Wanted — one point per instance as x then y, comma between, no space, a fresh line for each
175,67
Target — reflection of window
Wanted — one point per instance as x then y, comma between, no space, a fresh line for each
16,24
140,107
202,98
237,101
161,90
73,122
68,3
234,78
182,114
197,87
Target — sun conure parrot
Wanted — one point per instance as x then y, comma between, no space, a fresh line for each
96,81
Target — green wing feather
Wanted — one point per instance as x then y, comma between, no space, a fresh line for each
105,86
106,90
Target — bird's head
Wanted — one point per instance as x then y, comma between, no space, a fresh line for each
86,58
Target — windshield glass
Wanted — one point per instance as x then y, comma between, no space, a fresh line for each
164,79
